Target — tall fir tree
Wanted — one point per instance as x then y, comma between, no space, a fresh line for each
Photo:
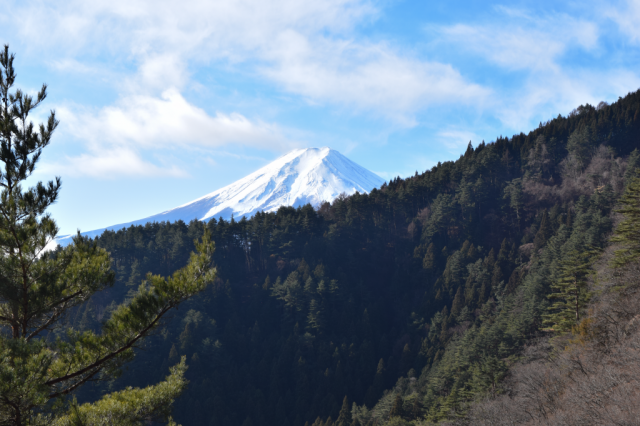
544,232
628,231
569,292
396,408
344,418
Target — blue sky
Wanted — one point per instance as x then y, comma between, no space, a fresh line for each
161,102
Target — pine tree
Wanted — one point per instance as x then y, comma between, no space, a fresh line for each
570,293
633,163
378,384
628,231
513,193
544,232
267,283
135,277
344,418
314,318
173,353
396,408
458,301
416,408
38,288
429,258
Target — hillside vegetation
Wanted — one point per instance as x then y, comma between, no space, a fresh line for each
480,291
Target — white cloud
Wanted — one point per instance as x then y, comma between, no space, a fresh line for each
546,95
306,48
366,76
536,46
627,18
169,121
150,27
526,41
118,137
110,162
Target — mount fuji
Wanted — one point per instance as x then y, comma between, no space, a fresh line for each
304,176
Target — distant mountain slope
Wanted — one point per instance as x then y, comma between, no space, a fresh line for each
416,299
303,176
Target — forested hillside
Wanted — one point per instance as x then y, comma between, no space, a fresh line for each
410,302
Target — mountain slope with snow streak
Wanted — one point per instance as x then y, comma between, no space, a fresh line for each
304,176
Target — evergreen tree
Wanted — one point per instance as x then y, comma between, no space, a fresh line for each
429,258
314,318
545,231
628,231
570,293
457,304
396,408
135,277
633,162
513,193
581,144
37,289
344,418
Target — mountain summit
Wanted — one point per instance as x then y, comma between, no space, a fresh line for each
304,176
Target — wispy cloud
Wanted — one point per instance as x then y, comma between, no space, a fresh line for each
627,15
110,162
169,121
307,48
533,43
151,51
533,49
117,136
370,77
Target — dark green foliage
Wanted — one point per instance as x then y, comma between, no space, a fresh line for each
445,273
628,231
580,146
344,417
42,362
396,408
633,163
569,291
545,231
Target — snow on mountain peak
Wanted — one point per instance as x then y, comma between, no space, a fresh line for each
303,176
310,175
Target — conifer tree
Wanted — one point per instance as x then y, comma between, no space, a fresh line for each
314,318
429,258
396,408
544,232
37,289
628,231
581,144
513,193
458,301
570,293
344,418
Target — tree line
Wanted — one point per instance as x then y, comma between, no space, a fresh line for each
410,301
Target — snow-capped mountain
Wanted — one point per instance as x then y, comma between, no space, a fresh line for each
303,176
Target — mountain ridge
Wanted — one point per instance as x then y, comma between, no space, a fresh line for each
302,176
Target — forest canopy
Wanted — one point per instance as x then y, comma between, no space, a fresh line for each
408,305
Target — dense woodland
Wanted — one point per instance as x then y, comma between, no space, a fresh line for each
436,298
